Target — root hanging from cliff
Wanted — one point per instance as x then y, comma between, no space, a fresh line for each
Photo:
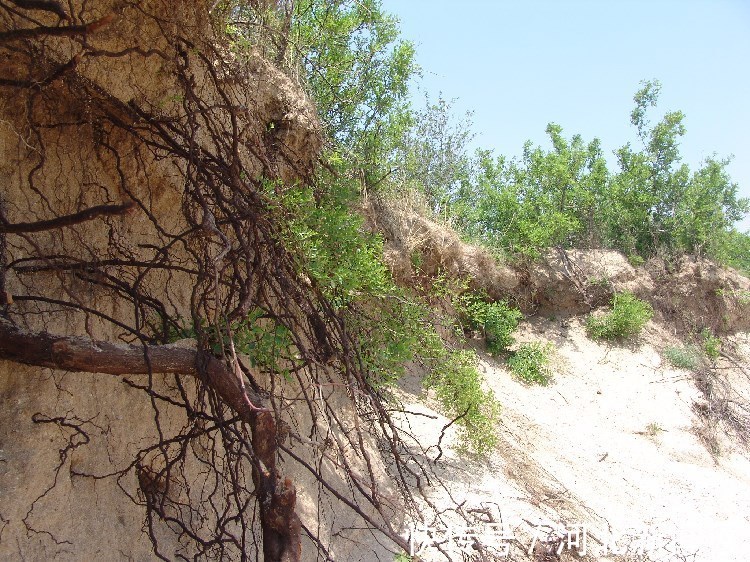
141,236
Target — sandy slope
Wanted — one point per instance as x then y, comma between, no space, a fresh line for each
613,444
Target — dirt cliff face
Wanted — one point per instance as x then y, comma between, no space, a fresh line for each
692,294
115,109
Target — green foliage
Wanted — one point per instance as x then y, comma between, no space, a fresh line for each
392,331
401,331
338,256
734,250
566,196
657,204
267,342
685,357
711,344
349,56
391,327
496,320
635,260
432,156
545,199
626,319
358,71
179,332
690,356
458,386
446,287
258,336
653,429
531,363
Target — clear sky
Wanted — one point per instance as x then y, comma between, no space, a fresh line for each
520,64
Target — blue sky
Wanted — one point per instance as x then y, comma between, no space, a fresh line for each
520,64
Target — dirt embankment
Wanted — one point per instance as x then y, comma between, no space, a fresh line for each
691,295
616,445
651,459
87,89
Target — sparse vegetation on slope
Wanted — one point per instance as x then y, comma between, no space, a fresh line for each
530,363
685,357
458,385
626,319
496,321
711,344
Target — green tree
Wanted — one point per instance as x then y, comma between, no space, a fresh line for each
651,182
548,198
488,207
358,71
349,56
708,209
656,203
734,250
562,190
433,155
565,196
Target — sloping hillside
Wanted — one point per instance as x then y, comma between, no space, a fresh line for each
616,443
202,350
650,459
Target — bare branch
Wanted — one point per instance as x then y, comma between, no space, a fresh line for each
66,220
54,75
47,31
71,353
280,523
43,5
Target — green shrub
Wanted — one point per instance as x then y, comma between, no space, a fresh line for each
686,357
397,330
496,320
444,286
636,260
626,319
530,363
653,429
334,251
266,342
711,344
417,259
458,385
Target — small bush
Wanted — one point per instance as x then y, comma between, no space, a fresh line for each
626,319
530,363
711,344
687,357
496,320
458,385
653,429
635,260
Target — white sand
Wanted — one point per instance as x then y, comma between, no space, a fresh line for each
612,444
